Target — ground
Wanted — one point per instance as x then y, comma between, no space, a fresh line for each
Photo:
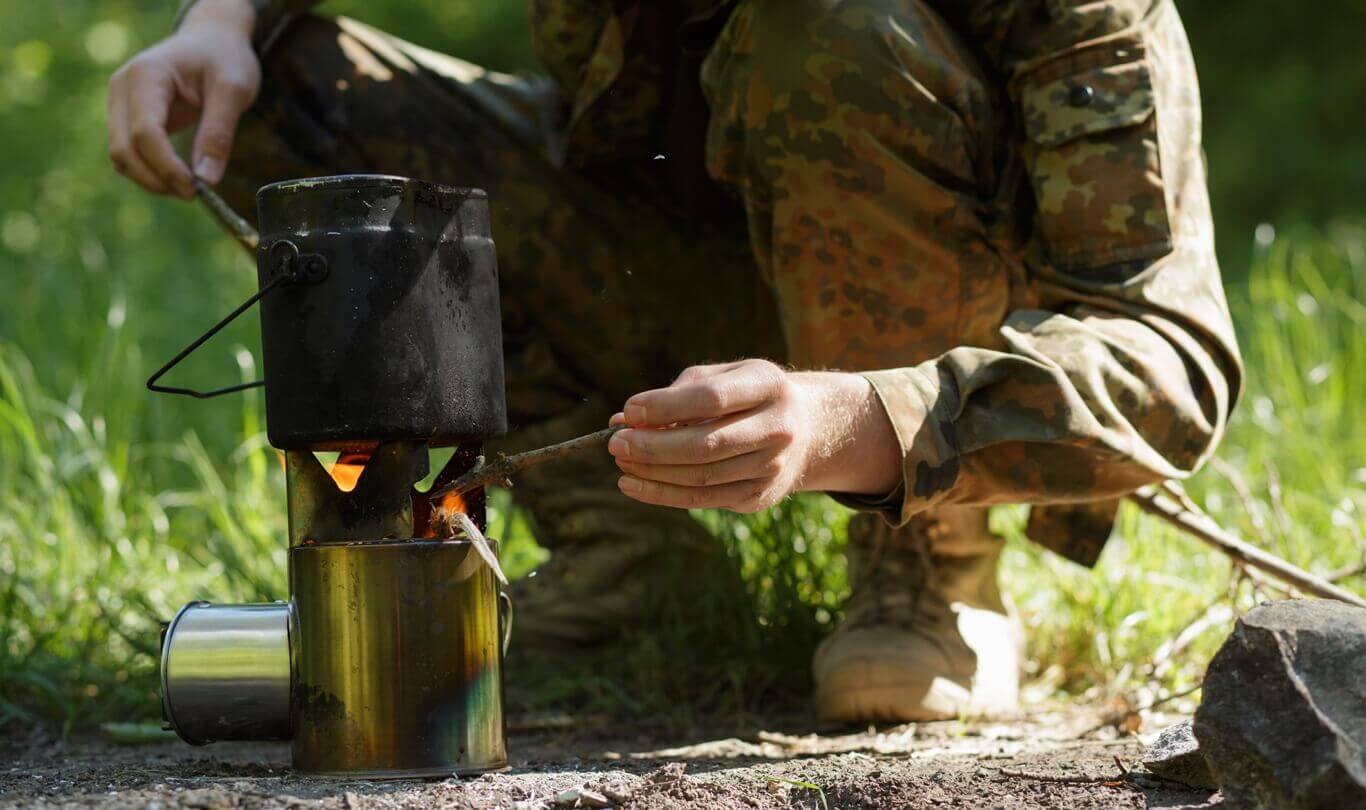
1017,764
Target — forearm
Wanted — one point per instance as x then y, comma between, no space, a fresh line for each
264,18
240,15
854,447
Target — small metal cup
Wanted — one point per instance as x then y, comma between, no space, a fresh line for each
225,672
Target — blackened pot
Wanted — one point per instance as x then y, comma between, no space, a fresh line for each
397,335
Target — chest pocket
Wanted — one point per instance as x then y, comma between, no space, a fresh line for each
1092,153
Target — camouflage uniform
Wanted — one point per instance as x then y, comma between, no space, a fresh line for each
995,209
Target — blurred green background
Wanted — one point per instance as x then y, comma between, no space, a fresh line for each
116,506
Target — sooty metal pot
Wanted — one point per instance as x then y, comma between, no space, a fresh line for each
391,328
380,317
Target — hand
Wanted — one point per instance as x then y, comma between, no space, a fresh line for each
207,71
742,436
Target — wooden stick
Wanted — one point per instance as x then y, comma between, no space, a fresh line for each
1169,502
482,475
240,229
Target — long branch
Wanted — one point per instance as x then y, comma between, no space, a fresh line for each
1167,503
482,475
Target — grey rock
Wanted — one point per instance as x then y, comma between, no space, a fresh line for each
1175,755
1282,722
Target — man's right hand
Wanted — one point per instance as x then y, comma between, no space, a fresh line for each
207,71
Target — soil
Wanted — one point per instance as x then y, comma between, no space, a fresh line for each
569,762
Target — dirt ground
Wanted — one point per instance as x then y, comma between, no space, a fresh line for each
1035,762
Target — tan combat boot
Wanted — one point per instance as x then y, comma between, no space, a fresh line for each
926,634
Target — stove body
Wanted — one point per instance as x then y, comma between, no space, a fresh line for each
381,339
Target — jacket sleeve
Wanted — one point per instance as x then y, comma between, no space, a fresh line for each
1126,371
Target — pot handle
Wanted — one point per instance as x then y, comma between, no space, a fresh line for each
505,618
288,266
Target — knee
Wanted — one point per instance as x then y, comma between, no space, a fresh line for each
811,79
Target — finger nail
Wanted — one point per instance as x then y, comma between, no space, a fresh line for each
635,414
619,447
209,168
628,484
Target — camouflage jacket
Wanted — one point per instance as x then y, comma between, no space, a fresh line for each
1112,365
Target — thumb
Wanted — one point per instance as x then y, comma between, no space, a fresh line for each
224,103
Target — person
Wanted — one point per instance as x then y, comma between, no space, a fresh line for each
961,248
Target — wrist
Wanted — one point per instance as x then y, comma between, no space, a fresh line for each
854,448
239,15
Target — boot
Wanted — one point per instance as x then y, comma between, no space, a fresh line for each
926,635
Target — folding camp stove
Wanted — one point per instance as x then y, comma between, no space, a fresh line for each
381,339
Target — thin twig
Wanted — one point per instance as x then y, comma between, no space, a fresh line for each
481,474
1255,509
1170,503
1116,717
1347,573
240,229
1108,781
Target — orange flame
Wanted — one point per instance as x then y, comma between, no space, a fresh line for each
347,468
453,502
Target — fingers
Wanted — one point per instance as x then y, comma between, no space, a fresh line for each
149,102
758,465
700,444
224,102
745,496
707,392
121,152
140,100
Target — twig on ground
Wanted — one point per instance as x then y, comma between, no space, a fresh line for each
1107,781
1169,502
1115,718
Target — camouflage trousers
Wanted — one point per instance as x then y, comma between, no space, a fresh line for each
608,287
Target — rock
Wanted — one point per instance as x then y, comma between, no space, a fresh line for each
1175,755
1282,722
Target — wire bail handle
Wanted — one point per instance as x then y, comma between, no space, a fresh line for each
287,267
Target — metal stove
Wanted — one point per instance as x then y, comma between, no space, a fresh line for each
381,340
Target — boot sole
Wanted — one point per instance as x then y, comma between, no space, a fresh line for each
859,696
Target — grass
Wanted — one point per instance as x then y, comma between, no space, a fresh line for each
107,524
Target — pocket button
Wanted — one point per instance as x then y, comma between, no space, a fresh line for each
1081,95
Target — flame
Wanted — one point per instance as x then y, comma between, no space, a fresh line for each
438,521
453,502
347,468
